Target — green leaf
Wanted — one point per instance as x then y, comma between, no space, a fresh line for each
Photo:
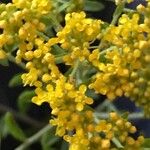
15,80
117,143
64,146
57,50
24,100
91,93
125,115
4,62
146,144
48,140
93,6
12,47
3,128
45,19
13,127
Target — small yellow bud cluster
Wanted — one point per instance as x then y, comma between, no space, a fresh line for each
77,35
124,68
38,6
67,103
101,135
40,63
20,22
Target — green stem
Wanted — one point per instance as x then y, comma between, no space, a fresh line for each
93,47
64,6
116,15
21,117
72,74
41,34
59,59
107,49
129,10
57,26
118,12
107,104
34,138
132,116
11,58
117,143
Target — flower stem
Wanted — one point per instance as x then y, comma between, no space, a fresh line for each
72,74
34,138
56,24
59,59
127,10
118,12
41,34
132,116
117,143
116,15
21,117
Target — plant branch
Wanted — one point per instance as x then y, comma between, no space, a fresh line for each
118,12
116,15
106,104
74,69
41,34
21,117
127,10
56,25
131,116
33,138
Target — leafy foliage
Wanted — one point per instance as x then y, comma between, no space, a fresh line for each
13,127
15,80
24,100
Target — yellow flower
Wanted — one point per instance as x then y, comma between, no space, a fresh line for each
76,36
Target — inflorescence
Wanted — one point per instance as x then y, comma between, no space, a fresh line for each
118,56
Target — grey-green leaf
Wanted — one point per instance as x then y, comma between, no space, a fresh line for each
3,128
64,145
93,6
48,140
13,127
4,62
15,80
117,143
24,100
11,47
146,144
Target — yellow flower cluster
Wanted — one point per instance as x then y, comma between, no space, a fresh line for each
37,6
124,67
120,69
77,35
74,120
102,136
19,23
